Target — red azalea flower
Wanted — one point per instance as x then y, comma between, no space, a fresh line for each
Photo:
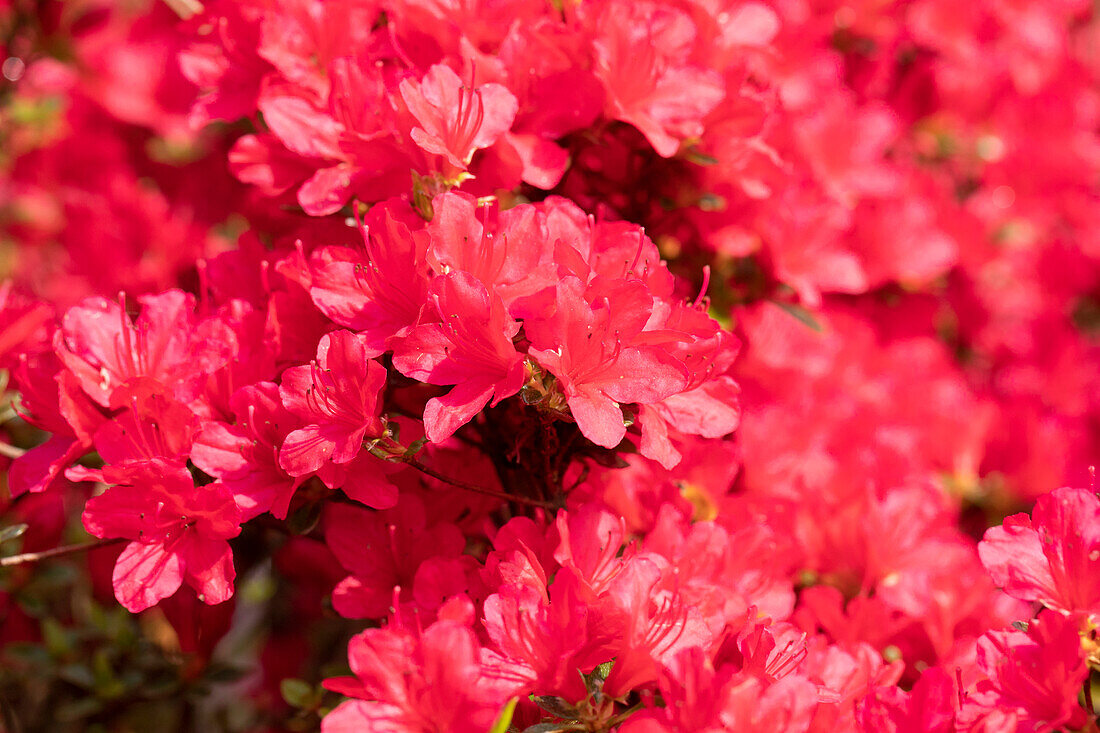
1031,679
380,290
509,251
643,57
431,682
385,553
1053,556
166,349
455,120
337,397
244,457
470,346
601,355
178,533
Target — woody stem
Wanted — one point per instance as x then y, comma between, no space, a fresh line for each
411,461
28,557
391,450
10,451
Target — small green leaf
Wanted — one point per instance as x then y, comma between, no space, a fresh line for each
12,532
101,665
77,674
505,718
218,673
800,313
56,637
32,605
698,157
297,693
556,706
25,653
415,447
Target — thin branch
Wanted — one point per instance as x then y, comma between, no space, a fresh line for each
28,557
411,461
10,451
185,9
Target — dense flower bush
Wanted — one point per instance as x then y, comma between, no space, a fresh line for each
550,365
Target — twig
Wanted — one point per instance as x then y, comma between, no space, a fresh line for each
185,9
411,461
10,451
28,557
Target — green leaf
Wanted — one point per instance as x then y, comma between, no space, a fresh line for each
32,605
415,447
56,637
698,157
28,654
297,693
216,673
12,532
505,718
794,309
77,674
556,706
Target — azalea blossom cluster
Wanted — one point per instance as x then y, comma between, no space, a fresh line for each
598,365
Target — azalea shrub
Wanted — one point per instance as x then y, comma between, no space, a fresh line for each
491,366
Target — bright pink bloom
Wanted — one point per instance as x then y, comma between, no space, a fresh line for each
643,57
709,405
379,291
1031,679
51,399
390,552
928,708
226,67
1053,556
21,323
541,637
509,251
721,572
349,129
601,355
244,457
178,533
702,699
153,427
337,397
591,544
455,120
166,350
431,682
656,624
470,346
